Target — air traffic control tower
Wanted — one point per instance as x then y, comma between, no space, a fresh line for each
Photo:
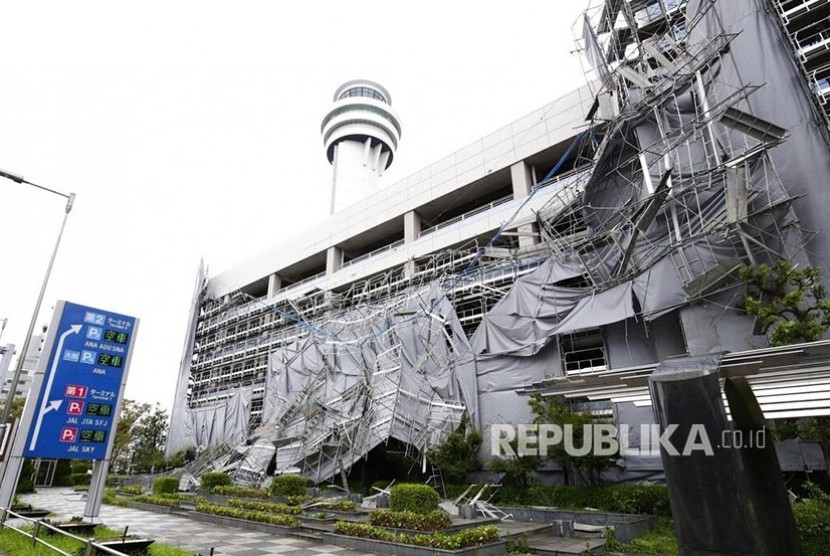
361,134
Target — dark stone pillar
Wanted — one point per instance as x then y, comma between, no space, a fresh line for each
705,487
726,491
774,526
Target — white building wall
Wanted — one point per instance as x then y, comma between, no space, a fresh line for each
539,130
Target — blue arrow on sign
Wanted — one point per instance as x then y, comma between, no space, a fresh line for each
45,405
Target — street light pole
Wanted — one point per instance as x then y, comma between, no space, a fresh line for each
21,359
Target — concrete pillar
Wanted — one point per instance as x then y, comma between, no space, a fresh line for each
520,176
410,268
274,284
334,260
411,226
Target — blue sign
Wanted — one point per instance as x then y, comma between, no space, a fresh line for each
81,386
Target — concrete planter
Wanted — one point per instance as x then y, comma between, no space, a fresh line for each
626,526
312,519
126,546
394,549
337,513
154,508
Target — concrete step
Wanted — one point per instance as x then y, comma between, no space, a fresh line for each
549,545
312,536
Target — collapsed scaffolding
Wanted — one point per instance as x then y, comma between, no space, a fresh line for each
675,190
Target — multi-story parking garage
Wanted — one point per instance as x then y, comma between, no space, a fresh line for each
589,240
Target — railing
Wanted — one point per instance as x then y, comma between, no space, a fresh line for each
466,215
371,254
38,525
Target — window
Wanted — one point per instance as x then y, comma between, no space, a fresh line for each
363,92
583,352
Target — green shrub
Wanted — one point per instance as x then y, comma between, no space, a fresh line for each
249,515
639,499
25,485
433,521
419,499
468,537
337,506
812,516
131,490
80,465
63,473
659,541
268,507
110,497
298,500
80,479
289,485
518,544
160,500
166,485
240,492
211,480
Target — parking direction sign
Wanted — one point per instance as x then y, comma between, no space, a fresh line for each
81,385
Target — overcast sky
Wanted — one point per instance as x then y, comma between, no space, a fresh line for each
192,129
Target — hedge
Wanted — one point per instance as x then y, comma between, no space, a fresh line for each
337,506
268,507
166,485
249,515
433,521
621,498
240,491
415,498
212,479
159,500
133,490
289,485
80,479
476,536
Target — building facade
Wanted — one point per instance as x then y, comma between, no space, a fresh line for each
24,383
581,244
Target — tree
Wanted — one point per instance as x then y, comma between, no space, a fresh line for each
557,411
457,455
792,302
131,413
150,434
788,300
17,407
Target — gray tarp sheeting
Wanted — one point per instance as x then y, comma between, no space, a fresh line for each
224,422
403,372
180,431
760,55
219,423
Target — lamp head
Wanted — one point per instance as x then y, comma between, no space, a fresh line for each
11,175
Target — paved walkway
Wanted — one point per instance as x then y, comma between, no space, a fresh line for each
193,536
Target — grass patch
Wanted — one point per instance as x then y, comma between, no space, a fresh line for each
15,544
659,541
